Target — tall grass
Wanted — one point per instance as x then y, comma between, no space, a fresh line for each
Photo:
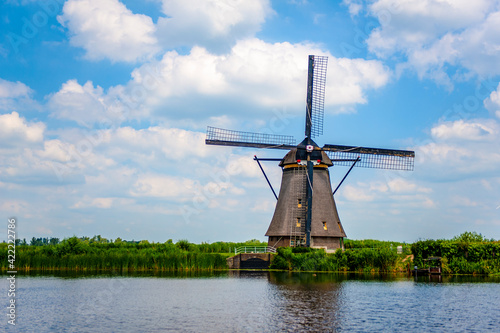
375,244
77,254
468,253
361,260
461,255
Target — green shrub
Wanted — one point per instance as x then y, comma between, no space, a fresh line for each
469,253
306,259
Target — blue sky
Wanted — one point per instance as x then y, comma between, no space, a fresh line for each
104,106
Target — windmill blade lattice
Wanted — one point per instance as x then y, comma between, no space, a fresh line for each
303,216
316,95
225,137
371,157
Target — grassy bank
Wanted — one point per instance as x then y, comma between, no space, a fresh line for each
468,253
84,254
354,259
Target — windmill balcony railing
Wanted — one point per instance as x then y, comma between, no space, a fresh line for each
255,249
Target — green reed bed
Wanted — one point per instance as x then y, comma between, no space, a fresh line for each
77,254
352,260
469,253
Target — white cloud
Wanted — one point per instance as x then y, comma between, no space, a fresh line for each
170,144
356,193
107,29
213,24
399,185
432,34
464,201
467,130
28,158
163,186
26,167
426,203
242,165
255,75
266,206
15,130
16,96
103,203
479,46
55,150
355,6
83,104
347,80
10,89
492,103
75,155
41,230
397,189
460,149
90,106
80,155
13,206
99,203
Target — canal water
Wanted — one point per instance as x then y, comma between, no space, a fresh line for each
252,302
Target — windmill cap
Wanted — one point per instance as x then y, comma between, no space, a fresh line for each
299,154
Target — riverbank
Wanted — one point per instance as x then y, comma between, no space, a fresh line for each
249,301
86,255
468,253
362,260
460,256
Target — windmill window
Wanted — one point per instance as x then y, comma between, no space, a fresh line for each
324,225
299,203
340,227
298,222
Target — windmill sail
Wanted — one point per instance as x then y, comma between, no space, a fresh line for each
306,213
225,137
316,81
371,157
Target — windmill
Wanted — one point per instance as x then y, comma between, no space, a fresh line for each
305,213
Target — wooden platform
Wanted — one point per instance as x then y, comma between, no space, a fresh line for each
250,261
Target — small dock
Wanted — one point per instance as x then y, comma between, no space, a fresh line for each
433,267
251,257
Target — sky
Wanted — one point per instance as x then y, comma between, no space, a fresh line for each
104,106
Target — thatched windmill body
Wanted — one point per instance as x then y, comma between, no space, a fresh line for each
306,214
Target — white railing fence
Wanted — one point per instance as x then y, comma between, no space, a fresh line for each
254,249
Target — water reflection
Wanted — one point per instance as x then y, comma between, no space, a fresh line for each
361,302
251,301
70,274
273,277
457,279
305,302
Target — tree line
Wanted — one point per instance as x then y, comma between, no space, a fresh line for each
468,253
98,253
